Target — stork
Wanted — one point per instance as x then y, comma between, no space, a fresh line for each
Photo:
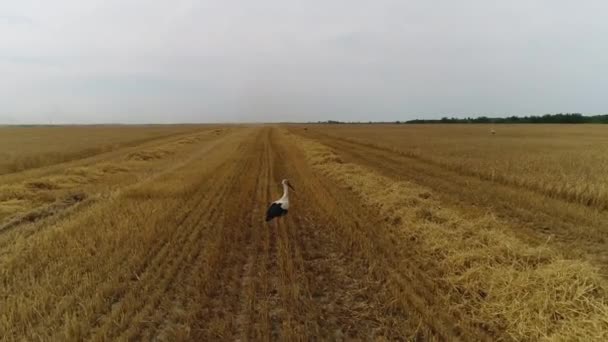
279,207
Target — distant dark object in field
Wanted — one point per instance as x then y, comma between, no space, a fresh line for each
306,128
493,131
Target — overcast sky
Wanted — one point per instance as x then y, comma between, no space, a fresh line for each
141,61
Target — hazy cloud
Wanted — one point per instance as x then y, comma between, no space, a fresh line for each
271,60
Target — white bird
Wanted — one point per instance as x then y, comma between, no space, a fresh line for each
279,207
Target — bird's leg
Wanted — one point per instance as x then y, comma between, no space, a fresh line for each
279,224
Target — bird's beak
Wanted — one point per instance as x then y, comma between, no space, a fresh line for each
289,185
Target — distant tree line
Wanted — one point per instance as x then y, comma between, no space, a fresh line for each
569,118
561,118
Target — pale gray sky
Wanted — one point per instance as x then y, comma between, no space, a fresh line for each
140,61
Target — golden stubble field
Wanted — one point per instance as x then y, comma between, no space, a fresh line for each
29,147
395,233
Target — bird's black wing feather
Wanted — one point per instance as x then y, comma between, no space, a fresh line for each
275,210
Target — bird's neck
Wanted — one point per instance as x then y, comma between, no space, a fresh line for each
285,193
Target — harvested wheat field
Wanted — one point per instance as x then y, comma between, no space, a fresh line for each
404,232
